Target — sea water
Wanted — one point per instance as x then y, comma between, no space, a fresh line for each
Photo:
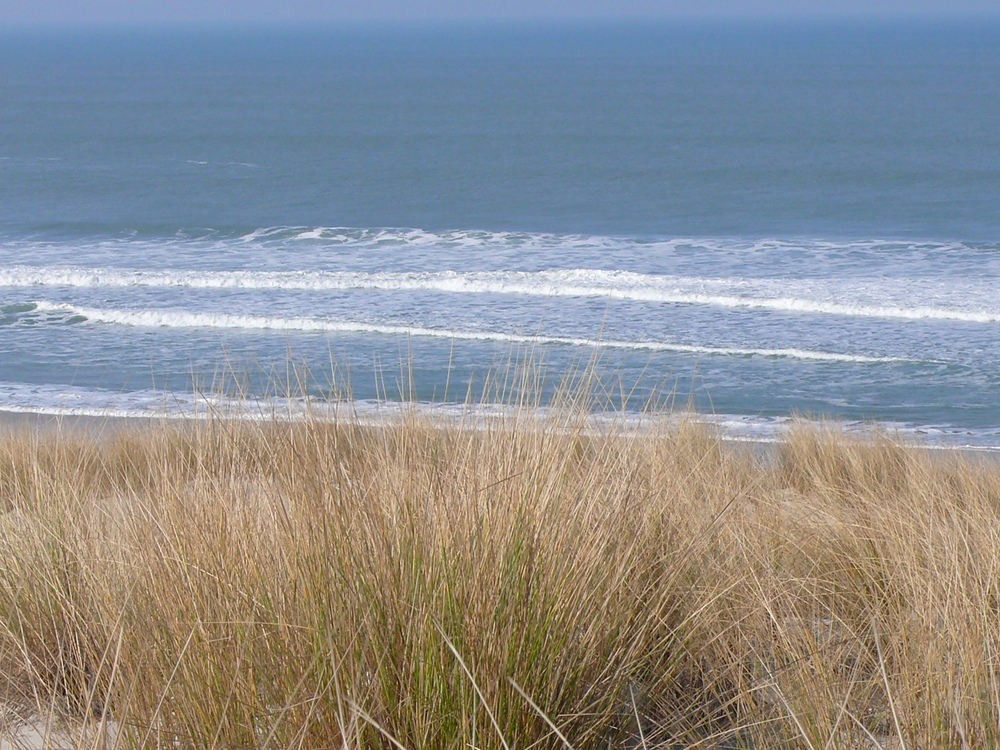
756,221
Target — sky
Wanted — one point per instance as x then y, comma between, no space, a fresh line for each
16,12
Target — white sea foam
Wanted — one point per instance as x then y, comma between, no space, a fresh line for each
184,319
766,294
471,239
202,163
73,401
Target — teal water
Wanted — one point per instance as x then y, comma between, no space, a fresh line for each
765,220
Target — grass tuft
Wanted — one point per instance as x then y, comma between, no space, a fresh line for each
515,583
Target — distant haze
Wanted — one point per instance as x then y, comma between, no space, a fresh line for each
181,11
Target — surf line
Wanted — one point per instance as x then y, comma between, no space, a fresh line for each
182,319
623,285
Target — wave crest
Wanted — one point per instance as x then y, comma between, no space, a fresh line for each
762,294
184,319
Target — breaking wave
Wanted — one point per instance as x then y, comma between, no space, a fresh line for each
768,294
183,319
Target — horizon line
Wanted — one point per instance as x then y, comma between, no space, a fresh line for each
541,20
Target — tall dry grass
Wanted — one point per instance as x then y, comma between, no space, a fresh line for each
521,583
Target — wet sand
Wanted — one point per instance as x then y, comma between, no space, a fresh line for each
103,427
20,423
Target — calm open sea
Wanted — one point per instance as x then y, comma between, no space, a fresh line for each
762,220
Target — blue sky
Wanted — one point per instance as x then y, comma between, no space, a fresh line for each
133,11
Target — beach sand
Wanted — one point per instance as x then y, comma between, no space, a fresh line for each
96,427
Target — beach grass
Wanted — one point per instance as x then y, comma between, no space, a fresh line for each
511,583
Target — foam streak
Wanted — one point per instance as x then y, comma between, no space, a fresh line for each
728,293
181,319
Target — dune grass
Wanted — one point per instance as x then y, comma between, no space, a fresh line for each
519,583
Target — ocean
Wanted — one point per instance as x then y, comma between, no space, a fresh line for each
754,221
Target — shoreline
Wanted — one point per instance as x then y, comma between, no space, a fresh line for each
102,427
43,424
